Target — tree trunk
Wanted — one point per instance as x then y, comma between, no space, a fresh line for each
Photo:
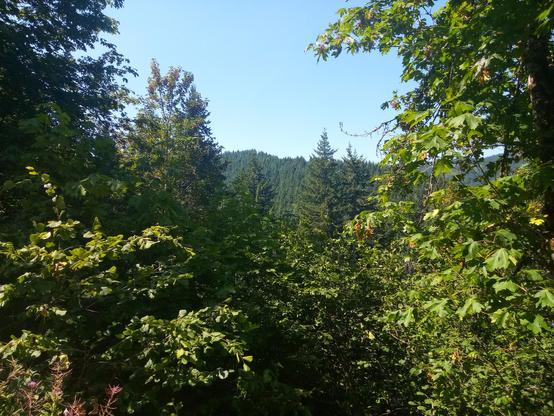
540,72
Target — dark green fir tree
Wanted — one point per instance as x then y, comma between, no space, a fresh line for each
252,181
318,206
355,180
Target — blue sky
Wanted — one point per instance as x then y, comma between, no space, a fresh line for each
248,58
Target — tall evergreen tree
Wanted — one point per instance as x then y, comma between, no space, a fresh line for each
355,186
317,208
255,183
171,147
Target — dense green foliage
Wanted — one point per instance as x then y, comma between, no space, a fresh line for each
478,313
128,260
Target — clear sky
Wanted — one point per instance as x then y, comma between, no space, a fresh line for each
248,58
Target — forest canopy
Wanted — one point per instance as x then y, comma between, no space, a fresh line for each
145,271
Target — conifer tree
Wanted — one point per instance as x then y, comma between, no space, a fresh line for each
255,183
318,209
171,146
355,175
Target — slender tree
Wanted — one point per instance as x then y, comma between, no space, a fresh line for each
355,185
255,183
317,207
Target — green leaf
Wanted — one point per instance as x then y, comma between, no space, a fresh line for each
89,234
436,143
431,214
543,16
534,275
506,235
31,171
45,236
54,224
467,119
537,325
505,285
471,307
146,244
223,374
472,121
438,306
406,317
442,166
472,250
546,298
457,121
499,260
500,317
8,185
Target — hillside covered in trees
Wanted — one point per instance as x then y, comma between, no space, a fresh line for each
286,178
284,175
143,271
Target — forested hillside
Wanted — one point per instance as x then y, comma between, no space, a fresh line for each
145,272
286,175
